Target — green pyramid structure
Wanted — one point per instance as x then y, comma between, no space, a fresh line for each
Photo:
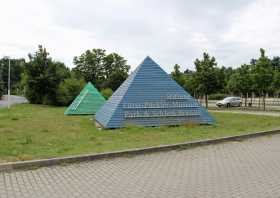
87,102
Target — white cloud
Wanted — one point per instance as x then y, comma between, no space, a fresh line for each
169,31
255,26
25,26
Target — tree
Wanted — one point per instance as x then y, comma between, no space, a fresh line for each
205,75
101,69
275,62
178,76
223,75
262,75
90,66
1,86
241,82
17,68
253,61
115,71
1,83
107,92
43,76
68,90
190,84
221,79
276,82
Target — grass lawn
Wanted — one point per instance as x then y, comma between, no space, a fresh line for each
37,131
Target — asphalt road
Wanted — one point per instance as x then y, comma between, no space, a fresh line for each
261,113
236,169
272,104
14,100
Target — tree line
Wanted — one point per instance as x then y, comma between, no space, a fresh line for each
259,78
17,67
46,81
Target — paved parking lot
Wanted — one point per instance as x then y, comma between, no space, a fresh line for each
237,169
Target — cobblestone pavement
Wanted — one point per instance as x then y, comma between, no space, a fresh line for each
237,169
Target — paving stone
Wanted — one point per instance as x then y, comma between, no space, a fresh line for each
236,169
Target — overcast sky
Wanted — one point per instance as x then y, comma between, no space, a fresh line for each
170,32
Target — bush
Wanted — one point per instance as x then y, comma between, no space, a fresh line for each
43,77
1,88
68,90
107,92
217,96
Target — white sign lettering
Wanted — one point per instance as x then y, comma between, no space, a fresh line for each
172,106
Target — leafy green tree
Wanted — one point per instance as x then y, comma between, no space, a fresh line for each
186,79
68,90
240,81
223,74
188,71
190,84
90,66
107,92
115,70
43,76
101,69
276,82
17,68
1,83
235,82
253,61
262,75
178,76
1,87
205,75
275,62
76,73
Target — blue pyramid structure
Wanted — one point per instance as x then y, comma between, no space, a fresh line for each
150,97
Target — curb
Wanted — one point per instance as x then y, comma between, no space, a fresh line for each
32,164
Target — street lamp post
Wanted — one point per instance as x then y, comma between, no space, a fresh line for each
9,85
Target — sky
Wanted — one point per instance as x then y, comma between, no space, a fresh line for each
170,32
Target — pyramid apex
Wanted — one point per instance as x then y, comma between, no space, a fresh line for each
148,58
89,84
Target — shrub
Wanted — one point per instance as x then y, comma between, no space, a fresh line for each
107,92
1,89
43,77
68,90
217,96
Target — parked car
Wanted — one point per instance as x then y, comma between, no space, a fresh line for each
230,102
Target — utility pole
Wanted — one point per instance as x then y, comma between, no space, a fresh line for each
9,85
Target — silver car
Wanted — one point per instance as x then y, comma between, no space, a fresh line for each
230,102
